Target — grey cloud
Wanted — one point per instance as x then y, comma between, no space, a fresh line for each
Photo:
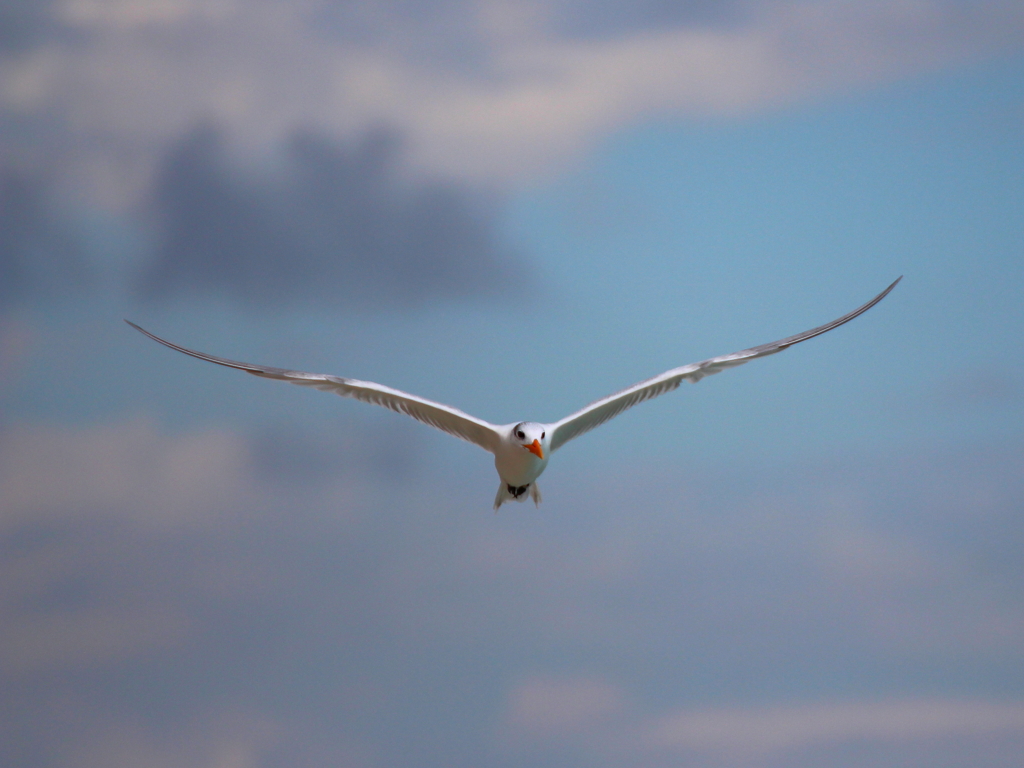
289,455
445,34
40,251
335,226
455,24
745,736
198,593
451,35
614,18
25,23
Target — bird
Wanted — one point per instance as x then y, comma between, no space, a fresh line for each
521,449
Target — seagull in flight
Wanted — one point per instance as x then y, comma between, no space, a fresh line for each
521,449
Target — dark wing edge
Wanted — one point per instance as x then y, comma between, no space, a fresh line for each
443,417
600,411
781,344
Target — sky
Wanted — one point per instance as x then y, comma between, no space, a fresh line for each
515,208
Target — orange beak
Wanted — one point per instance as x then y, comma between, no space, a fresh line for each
535,449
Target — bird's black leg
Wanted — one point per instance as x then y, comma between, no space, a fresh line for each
512,490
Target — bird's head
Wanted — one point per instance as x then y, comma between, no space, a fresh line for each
532,437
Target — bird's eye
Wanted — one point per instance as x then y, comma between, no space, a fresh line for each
520,434
542,435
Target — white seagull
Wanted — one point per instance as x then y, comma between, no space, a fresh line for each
521,449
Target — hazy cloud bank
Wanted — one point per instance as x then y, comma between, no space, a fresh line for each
165,590
484,89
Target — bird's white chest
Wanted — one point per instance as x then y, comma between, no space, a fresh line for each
518,466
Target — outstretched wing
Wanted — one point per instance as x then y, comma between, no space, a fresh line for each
600,411
444,417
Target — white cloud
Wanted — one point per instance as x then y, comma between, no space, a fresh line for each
740,732
543,707
125,476
126,14
353,609
88,515
84,638
523,100
127,470
229,738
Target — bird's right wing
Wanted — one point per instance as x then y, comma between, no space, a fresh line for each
602,410
444,417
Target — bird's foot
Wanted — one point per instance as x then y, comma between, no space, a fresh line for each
516,492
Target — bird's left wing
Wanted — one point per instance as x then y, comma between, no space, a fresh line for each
444,417
602,410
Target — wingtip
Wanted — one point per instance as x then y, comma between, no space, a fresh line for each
143,331
881,296
892,285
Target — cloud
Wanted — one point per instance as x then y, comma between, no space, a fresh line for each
40,251
287,455
70,639
227,736
84,507
72,497
25,23
335,225
484,89
748,733
613,18
16,339
161,589
542,707
126,471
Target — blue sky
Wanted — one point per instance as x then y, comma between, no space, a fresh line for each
813,559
